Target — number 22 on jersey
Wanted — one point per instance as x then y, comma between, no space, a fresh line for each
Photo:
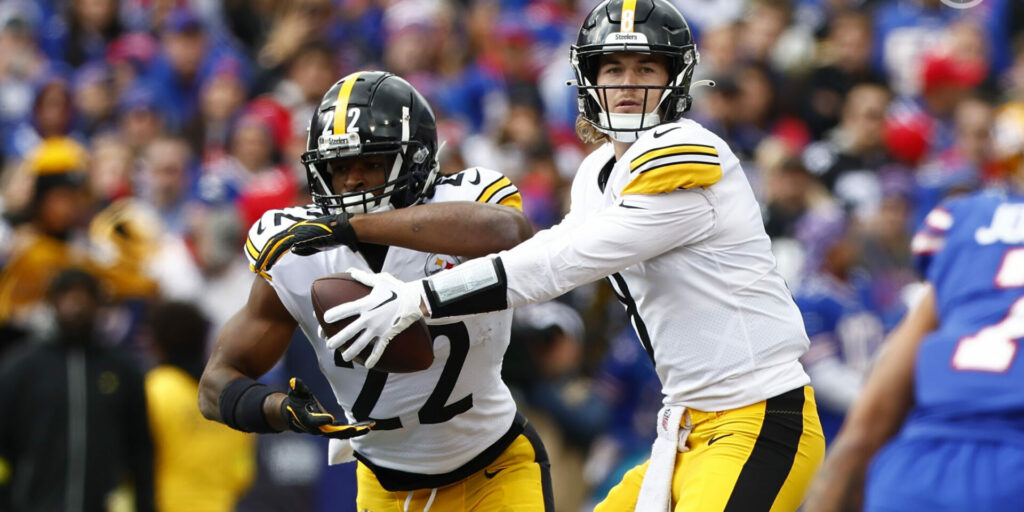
435,409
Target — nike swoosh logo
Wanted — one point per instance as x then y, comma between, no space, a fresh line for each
714,439
631,207
490,474
259,227
393,297
477,180
657,134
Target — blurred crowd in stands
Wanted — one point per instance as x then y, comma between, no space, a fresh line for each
140,138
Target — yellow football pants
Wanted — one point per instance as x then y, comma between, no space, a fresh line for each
518,480
756,458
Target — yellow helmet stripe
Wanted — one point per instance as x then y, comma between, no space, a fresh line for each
628,15
341,105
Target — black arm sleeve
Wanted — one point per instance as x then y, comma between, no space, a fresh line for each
469,296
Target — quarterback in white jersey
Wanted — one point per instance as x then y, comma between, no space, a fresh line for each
664,210
448,437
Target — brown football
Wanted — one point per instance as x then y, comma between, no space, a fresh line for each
410,351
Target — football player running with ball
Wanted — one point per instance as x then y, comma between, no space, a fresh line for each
664,211
443,439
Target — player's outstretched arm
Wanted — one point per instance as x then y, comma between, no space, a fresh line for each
247,347
875,416
459,228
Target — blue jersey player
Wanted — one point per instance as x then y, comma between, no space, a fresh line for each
948,392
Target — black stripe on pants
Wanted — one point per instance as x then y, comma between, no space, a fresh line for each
772,457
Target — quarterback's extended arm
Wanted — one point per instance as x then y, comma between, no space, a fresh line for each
536,270
875,416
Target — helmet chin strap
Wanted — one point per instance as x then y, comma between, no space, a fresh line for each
628,127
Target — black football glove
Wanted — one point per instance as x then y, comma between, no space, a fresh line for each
308,237
304,413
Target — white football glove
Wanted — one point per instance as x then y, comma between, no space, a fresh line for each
389,308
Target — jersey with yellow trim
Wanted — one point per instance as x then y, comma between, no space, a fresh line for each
429,422
675,227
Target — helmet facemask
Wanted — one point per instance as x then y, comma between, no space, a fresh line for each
673,97
400,189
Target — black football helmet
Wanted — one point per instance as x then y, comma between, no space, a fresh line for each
641,26
372,113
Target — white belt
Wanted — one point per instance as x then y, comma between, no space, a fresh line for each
656,490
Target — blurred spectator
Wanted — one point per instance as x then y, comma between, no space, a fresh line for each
834,299
965,165
905,30
762,25
886,246
946,81
708,15
251,174
140,119
846,61
292,25
541,188
41,244
506,149
719,50
83,33
788,196
311,71
190,52
201,466
94,98
52,115
93,437
847,160
1008,137
129,57
762,110
1013,80
110,169
221,96
21,61
215,236
164,180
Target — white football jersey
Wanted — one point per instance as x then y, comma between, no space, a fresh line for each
428,422
676,228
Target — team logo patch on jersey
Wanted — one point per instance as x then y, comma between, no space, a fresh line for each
439,262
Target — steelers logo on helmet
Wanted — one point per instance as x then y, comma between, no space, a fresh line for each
372,113
637,26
